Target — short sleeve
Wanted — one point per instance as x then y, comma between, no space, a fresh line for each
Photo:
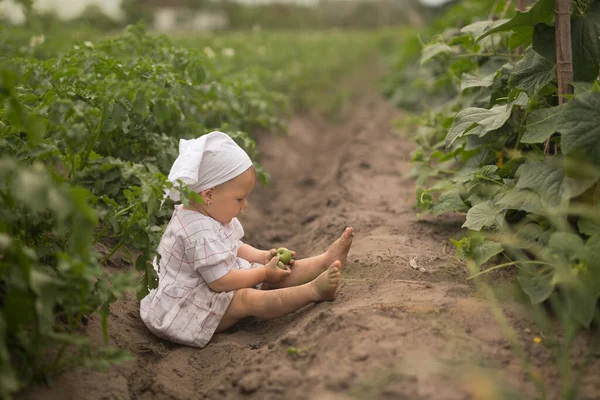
237,228
210,257
238,233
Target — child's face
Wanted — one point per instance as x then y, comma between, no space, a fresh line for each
230,198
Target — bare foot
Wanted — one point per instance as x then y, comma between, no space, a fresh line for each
338,251
326,284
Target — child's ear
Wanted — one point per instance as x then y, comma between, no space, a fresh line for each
207,194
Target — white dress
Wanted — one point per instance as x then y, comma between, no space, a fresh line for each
194,250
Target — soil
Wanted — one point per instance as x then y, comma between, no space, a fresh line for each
394,331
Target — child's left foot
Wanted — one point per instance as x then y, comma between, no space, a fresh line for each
326,284
338,251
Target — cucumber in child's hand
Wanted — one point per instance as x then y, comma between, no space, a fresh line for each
285,255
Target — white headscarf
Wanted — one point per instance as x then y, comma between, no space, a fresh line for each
206,162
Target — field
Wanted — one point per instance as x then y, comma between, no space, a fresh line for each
472,190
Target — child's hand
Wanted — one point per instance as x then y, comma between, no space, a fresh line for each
274,273
269,254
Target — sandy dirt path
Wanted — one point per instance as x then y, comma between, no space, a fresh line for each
394,332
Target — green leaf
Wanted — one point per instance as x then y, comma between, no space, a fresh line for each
140,103
544,42
470,81
592,248
44,288
161,111
478,28
532,234
585,37
579,125
470,174
81,198
532,73
524,199
484,215
523,22
448,202
520,37
31,187
588,227
149,278
537,283
548,180
18,307
36,128
196,73
567,245
582,87
482,180
582,283
474,246
479,121
486,250
540,125
434,49
582,300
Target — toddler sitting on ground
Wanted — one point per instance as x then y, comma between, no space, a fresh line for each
208,278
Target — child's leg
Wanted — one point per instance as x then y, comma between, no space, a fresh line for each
277,303
306,269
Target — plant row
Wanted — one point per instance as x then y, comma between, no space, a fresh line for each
495,145
88,131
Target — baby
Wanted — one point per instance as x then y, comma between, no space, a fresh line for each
208,278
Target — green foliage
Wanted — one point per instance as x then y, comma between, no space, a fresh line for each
523,23
49,273
475,247
568,263
579,129
88,131
110,115
483,151
436,84
293,63
540,125
487,143
481,121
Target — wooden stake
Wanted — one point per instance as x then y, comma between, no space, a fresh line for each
564,54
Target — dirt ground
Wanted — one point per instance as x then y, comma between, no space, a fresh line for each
394,332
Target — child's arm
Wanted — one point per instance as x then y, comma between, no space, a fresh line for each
254,255
238,279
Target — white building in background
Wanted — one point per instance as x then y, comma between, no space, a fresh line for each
72,8
169,19
66,9
168,16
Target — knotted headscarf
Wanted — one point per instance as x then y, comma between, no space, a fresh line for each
206,162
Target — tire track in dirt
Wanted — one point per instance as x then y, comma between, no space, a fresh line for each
393,332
